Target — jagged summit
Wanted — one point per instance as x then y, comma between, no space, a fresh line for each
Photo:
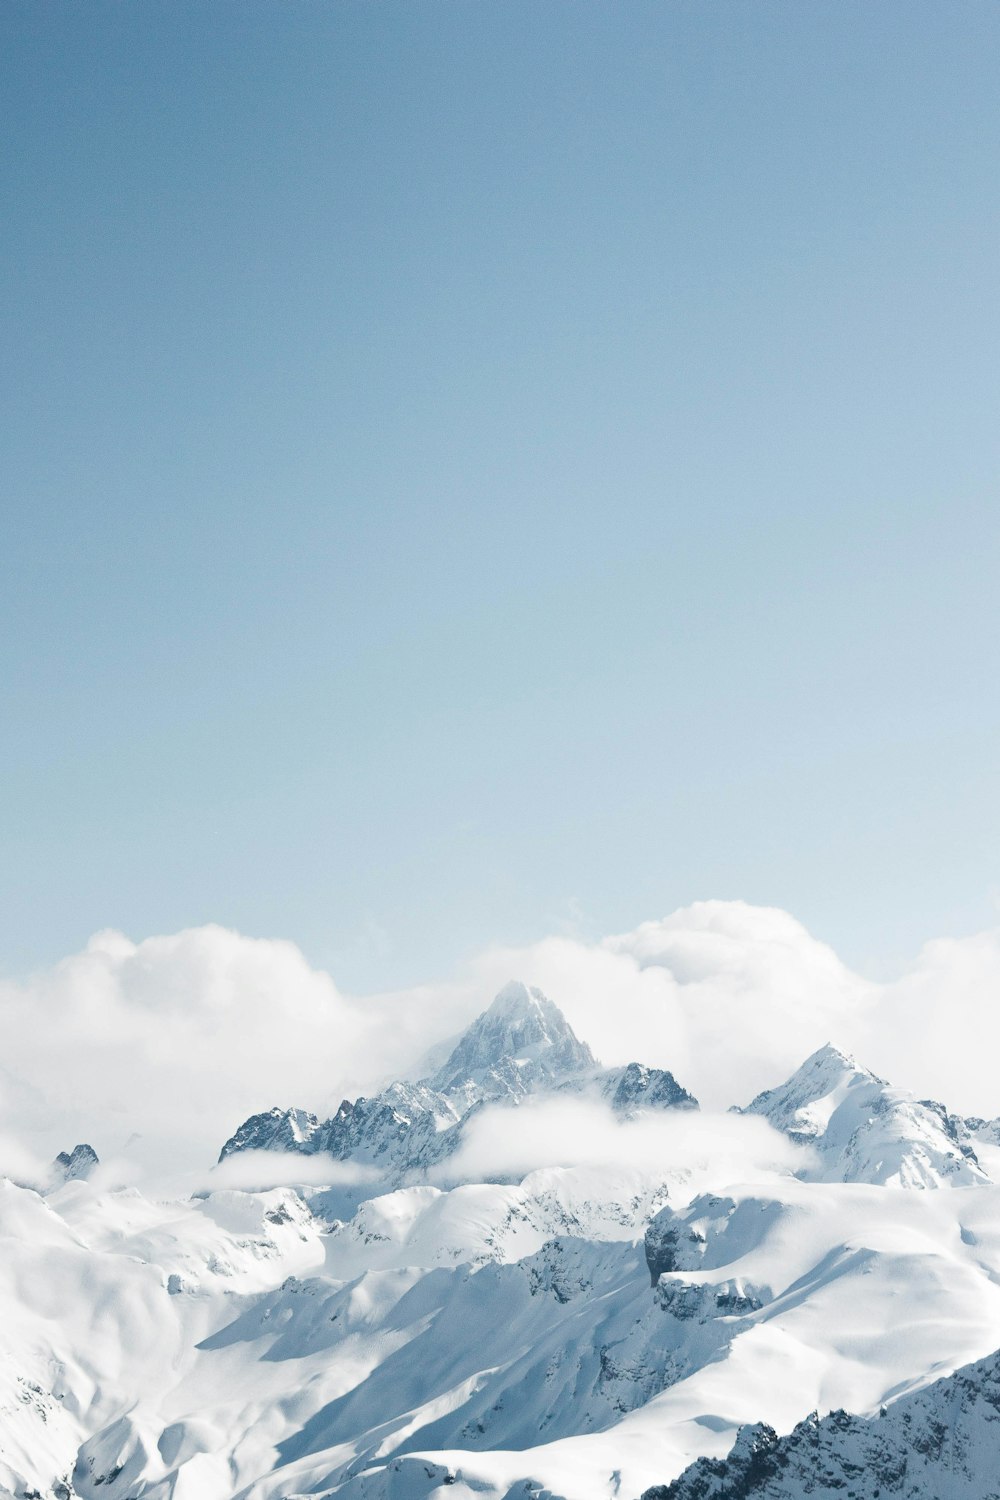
829,1056
636,1087
517,1000
77,1164
274,1130
520,1042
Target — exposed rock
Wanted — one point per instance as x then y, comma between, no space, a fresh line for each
522,1045
74,1165
939,1442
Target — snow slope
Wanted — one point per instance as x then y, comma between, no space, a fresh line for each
584,1333
865,1131
237,1344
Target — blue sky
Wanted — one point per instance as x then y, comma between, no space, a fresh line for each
477,470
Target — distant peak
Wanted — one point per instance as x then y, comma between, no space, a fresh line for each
828,1073
517,1000
76,1164
520,1041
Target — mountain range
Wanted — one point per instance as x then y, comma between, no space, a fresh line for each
522,1045
636,1324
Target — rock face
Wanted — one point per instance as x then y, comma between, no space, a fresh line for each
636,1087
865,1131
712,1232
398,1129
941,1443
521,1046
983,1132
275,1130
76,1164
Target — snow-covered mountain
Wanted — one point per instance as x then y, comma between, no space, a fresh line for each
582,1333
942,1443
863,1130
243,1344
521,1046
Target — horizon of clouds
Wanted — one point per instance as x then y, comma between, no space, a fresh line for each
155,1051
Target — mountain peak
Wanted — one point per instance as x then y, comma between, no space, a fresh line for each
866,1131
517,1000
521,1041
830,1059
75,1165
804,1105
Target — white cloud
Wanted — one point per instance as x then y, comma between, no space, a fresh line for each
175,1040
256,1171
708,1148
936,1029
161,1048
22,1165
730,997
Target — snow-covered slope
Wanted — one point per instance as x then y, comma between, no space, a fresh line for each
583,1333
242,1344
865,1131
104,1299
942,1443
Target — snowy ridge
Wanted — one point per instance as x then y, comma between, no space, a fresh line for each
257,1349
866,1131
940,1442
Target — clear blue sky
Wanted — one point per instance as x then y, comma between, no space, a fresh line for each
471,468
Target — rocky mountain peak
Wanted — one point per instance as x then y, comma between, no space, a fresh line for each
517,1001
75,1165
829,1065
521,1041
275,1130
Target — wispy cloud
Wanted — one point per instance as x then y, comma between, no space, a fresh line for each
256,1171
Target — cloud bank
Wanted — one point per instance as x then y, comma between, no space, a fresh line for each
256,1171
706,1149
159,1049
156,1050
